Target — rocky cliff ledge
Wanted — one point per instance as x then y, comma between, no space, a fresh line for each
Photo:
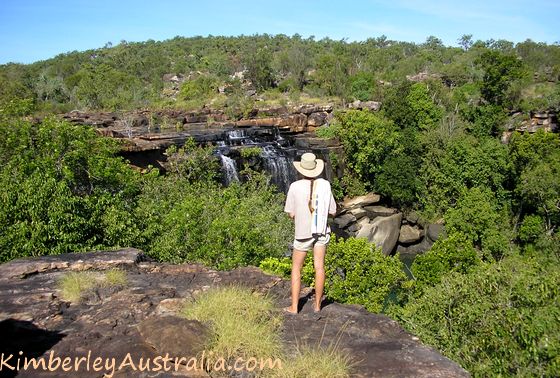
146,130
112,322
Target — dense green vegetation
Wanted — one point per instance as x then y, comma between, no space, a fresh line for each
486,294
131,75
65,190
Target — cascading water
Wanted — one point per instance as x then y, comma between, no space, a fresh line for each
279,166
230,169
275,158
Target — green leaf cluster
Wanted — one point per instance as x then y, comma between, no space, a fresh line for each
500,319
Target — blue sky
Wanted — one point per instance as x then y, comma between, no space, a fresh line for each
32,30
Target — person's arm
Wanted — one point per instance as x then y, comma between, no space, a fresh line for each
290,204
332,206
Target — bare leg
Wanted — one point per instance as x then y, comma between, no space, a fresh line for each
298,258
319,264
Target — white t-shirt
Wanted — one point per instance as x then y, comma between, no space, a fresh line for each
297,204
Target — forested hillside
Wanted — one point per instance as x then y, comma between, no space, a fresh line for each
131,75
443,145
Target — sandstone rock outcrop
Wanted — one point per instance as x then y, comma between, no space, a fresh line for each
409,234
383,232
361,201
367,217
140,318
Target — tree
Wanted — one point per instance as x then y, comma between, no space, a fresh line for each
500,71
259,71
368,139
465,41
332,73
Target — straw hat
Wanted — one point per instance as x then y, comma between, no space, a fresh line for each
309,166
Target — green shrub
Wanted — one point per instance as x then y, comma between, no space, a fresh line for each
328,131
202,87
452,254
194,163
362,86
250,152
461,162
358,272
241,224
278,266
500,319
368,139
64,190
477,217
531,228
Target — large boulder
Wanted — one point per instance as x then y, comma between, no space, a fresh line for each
359,213
383,232
361,201
344,220
434,231
379,211
317,119
409,234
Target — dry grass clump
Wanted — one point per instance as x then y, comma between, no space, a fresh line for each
315,362
115,277
74,285
244,324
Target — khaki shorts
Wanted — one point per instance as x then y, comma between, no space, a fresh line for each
305,245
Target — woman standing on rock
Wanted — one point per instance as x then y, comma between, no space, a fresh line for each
309,203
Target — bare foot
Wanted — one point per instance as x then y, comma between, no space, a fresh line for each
316,309
289,310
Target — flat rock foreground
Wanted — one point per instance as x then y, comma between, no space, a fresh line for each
140,319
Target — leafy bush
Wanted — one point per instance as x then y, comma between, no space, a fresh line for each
412,106
328,131
358,272
368,139
278,266
362,86
202,87
536,162
500,319
222,227
193,163
64,190
462,162
476,216
250,152
452,254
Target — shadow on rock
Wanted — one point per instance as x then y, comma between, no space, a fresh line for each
24,336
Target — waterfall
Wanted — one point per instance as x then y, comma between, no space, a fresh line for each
230,169
236,137
279,166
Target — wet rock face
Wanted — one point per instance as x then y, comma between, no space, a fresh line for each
141,319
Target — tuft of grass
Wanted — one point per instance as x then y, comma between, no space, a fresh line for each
115,277
244,324
315,362
75,285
